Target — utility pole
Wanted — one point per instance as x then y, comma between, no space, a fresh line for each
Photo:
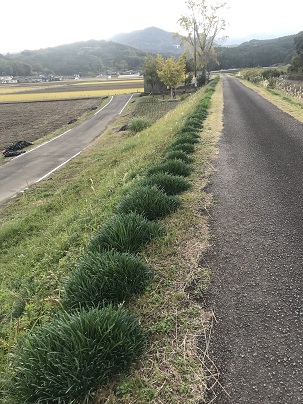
195,49
195,55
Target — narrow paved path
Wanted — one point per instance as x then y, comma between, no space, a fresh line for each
35,165
256,255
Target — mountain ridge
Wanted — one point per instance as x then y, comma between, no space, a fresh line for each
152,40
126,52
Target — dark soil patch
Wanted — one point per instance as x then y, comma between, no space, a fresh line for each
33,120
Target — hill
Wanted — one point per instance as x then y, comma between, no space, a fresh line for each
126,52
151,40
88,58
256,52
253,53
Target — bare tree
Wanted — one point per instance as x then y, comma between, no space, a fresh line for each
202,26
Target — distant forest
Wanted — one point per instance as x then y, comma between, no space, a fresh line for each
89,58
92,58
256,53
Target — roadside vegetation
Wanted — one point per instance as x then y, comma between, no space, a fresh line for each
75,227
275,81
286,94
284,82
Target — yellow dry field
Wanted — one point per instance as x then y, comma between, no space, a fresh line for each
66,95
64,90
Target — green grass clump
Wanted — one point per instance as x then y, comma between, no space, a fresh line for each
180,155
185,147
125,233
148,201
172,166
186,138
68,359
103,278
138,124
193,122
185,132
199,114
188,129
170,184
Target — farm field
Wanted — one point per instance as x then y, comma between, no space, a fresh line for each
52,106
33,120
57,90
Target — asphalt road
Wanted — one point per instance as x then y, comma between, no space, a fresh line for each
256,257
38,163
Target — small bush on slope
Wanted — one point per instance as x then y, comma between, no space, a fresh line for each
180,155
69,358
125,233
103,278
186,138
148,201
137,124
174,167
170,184
188,148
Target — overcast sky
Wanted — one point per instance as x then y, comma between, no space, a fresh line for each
34,24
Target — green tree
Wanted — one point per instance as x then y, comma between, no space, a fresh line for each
202,26
297,60
150,71
171,71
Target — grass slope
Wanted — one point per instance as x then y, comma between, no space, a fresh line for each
48,228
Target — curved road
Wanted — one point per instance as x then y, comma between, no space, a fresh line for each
36,164
256,257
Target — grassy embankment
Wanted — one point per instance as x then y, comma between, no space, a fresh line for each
44,232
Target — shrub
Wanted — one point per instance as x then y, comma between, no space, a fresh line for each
185,147
170,184
180,155
125,233
103,278
69,358
148,201
137,124
172,166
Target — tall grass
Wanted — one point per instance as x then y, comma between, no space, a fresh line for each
170,184
172,166
148,201
103,278
68,359
125,232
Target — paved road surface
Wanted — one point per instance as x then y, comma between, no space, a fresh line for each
257,253
31,167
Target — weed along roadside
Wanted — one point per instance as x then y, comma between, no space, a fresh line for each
102,291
